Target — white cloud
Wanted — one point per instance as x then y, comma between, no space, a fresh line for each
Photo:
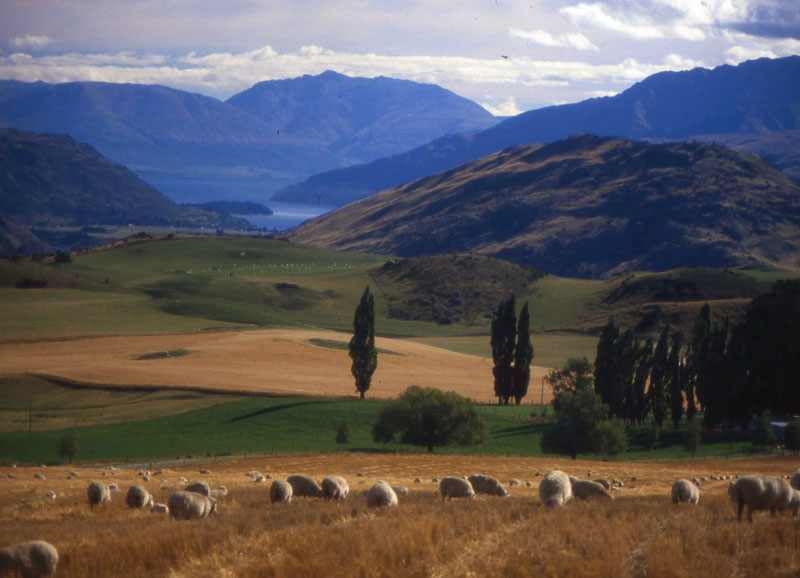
747,47
596,15
506,107
31,41
544,38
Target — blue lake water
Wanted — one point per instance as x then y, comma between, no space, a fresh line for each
286,215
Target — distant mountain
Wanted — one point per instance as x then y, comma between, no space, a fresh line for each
48,180
196,148
362,119
586,206
756,98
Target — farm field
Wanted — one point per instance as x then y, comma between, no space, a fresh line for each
639,533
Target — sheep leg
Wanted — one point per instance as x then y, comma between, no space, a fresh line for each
740,504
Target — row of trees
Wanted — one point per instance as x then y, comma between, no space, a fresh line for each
731,372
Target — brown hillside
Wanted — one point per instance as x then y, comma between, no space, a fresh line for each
585,206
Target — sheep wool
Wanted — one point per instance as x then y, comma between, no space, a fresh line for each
280,491
585,489
452,487
487,485
555,489
381,494
31,559
760,493
304,486
199,488
98,493
138,497
685,492
335,488
190,506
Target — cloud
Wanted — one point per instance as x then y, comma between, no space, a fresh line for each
598,16
505,107
31,41
544,38
747,47
770,19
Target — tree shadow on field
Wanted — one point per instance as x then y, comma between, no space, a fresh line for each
275,408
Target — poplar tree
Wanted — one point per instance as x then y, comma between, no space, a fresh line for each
503,342
362,344
657,393
676,376
523,355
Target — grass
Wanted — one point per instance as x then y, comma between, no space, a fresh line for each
167,424
640,533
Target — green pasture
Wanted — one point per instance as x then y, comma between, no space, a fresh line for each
119,425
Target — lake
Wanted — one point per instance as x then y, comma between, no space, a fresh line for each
285,215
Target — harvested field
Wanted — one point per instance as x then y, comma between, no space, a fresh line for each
640,533
276,361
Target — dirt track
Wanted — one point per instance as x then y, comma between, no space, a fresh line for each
280,361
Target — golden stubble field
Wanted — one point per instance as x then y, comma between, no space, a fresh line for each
640,533
276,361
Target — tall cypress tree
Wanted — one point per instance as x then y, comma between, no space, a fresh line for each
362,344
605,364
523,355
503,342
676,377
657,393
697,362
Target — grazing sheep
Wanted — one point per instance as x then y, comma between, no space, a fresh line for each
199,488
335,488
381,494
304,486
451,487
697,482
280,491
220,492
487,485
190,506
417,481
113,487
159,509
38,476
528,483
513,482
400,490
138,497
259,479
760,493
603,482
685,492
50,495
99,493
31,559
795,481
205,472
584,489
253,475
555,489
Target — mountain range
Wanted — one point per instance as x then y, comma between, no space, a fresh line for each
754,106
585,206
51,180
196,148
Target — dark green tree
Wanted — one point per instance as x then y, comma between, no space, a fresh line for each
503,342
68,446
577,373
639,407
791,435
697,361
676,377
763,434
581,425
343,432
657,392
717,390
606,377
691,436
653,435
430,418
362,344
523,355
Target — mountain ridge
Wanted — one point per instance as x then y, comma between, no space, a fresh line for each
757,97
585,206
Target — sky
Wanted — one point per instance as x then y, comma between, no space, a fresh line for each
509,56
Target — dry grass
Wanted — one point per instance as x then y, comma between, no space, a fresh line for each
640,533
277,361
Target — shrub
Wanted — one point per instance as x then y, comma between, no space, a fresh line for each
791,435
343,432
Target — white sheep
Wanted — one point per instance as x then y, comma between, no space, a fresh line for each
190,506
795,481
685,492
760,493
487,485
381,494
452,487
220,492
400,490
31,559
304,486
199,488
39,476
253,475
555,489
159,509
138,497
584,489
335,488
280,491
98,493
